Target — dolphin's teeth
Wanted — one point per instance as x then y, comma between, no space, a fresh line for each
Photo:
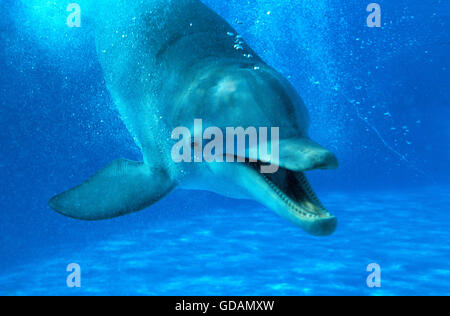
306,187
309,191
287,199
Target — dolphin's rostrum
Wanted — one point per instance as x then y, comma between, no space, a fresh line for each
169,62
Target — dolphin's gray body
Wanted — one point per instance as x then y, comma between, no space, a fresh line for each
168,62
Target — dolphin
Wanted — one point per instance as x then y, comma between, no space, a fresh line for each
169,62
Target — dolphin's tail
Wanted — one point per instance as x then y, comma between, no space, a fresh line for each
121,188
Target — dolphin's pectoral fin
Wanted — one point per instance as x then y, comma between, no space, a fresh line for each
121,188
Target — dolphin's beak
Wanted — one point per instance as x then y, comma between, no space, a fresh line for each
288,192
303,154
325,225
321,227
294,199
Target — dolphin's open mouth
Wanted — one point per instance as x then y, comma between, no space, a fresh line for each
297,193
299,200
287,191
294,189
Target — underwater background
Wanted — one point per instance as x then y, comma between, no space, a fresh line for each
378,97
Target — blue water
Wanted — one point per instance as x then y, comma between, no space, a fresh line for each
377,97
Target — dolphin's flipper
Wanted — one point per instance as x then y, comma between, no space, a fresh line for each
121,188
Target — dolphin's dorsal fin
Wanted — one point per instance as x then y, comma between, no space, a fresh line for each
121,188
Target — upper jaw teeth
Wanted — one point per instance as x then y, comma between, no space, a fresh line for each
294,205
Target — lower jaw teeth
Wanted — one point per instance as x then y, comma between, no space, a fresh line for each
291,203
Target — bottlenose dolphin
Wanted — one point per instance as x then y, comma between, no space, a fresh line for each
169,62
